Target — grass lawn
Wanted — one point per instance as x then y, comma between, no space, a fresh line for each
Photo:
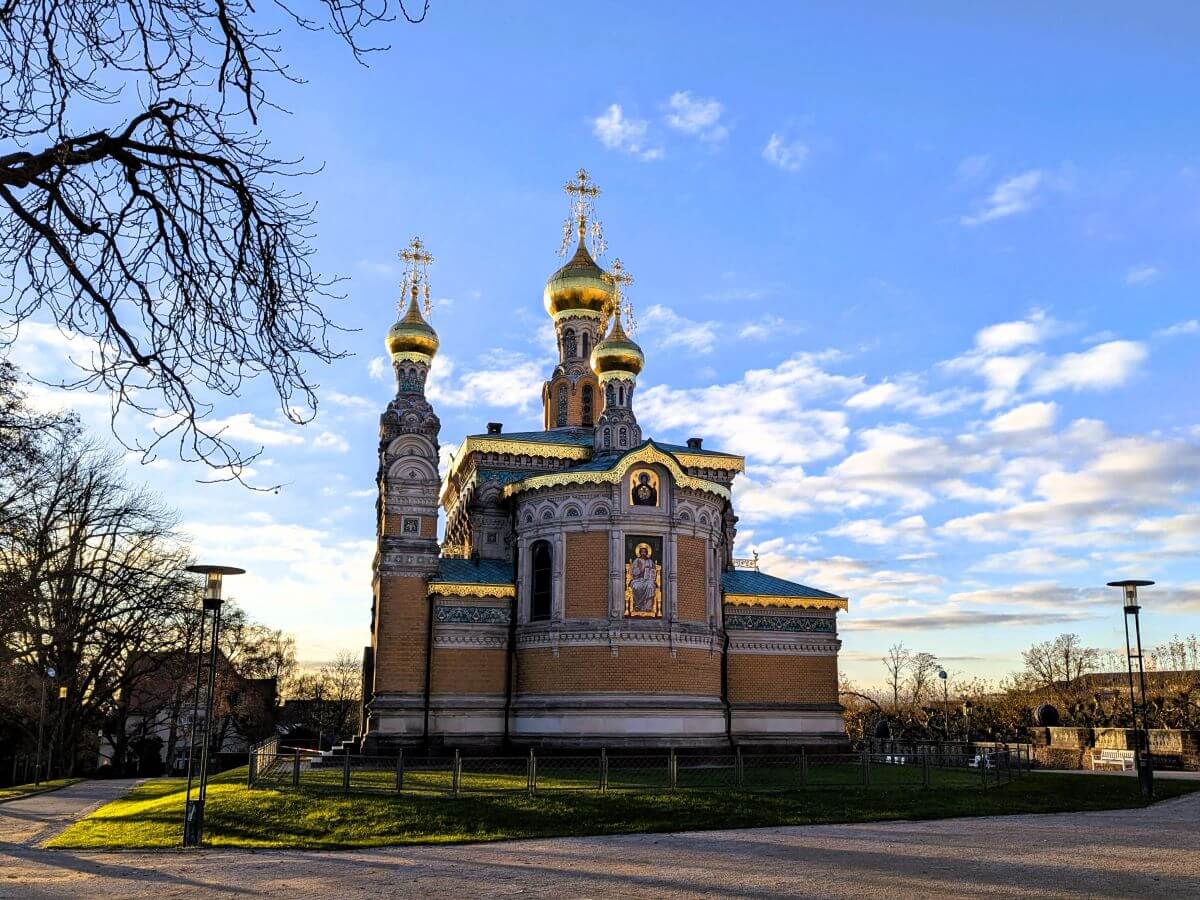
25,790
150,816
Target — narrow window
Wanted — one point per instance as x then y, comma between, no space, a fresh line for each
621,395
540,595
569,343
587,345
587,403
624,435
607,438
610,394
562,405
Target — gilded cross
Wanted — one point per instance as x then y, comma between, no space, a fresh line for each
582,220
416,259
620,278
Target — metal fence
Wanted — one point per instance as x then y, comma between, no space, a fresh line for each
454,775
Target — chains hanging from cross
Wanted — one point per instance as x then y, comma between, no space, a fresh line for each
416,259
582,222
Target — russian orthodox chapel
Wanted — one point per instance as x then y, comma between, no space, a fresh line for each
584,590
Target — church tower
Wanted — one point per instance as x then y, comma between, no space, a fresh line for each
407,513
577,297
617,361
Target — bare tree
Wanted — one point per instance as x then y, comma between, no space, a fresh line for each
168,238
897,663
1058,665
922,670
330,696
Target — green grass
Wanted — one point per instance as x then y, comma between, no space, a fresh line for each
16,792
150,816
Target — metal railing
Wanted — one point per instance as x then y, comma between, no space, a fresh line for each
457,774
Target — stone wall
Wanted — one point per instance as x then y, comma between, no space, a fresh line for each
1071,748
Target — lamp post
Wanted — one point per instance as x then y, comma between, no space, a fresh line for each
1132,610
47,675
945,698
967,706
193,817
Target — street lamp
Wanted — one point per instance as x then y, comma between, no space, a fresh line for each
1142,754
945,698
49,675
967,706
193,816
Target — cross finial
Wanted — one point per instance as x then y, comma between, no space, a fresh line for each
416,261
620,278
582,221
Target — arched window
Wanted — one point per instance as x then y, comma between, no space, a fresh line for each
569,348
587,344
587,403
621,395
562,405
542,582
624,436
607,438
610,394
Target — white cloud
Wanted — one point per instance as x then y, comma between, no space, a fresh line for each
328,440
1104,366
1015,195
786,154
379,368
351,401
767,326
973,167
1191,326
696,116
673,330
876,531
1140,275
248,427
1028,559
1026,418
503,378
617,132
1005,336
905,393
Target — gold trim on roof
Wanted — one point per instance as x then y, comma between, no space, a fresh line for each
468,589
580,313
646,454
522,448
712,461
789,602
412,356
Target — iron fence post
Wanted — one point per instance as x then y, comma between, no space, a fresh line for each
982,768
252,767
866,768
296,769
672,774
925,768
346,773
803,767
603,770
399,770
455,774
739,769
532,772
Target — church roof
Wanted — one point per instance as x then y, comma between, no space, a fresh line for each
580,437
472,571
743,587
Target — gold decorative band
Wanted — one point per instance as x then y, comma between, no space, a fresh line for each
412,356
788,602
467,589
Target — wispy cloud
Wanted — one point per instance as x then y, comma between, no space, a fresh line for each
788,154
1138,275
669,329
696,116
1191,326
618,132
1015,195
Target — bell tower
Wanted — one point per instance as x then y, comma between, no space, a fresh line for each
407,513
576,298
617,361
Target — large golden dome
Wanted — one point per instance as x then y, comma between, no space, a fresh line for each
578,287
617,355
412,335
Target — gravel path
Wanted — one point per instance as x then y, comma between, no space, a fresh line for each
1151,852
33,819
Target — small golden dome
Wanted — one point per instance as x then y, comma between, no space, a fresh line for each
617,354
579,286
412,334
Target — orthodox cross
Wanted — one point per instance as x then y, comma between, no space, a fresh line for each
619,278
582,220
416,261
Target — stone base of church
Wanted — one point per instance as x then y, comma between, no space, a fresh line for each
618,720
780,724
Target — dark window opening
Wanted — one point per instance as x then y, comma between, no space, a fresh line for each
542,582
587,403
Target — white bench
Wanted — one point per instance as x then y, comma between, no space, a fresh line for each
1123,758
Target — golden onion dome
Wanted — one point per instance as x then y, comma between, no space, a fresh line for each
412,334
578,287
617,354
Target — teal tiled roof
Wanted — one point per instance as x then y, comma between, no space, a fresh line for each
468,571
679,448
759,584
578,437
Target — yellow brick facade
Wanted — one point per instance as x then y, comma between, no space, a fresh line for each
586,586
650,670
400,626
774,678
693,579
467,671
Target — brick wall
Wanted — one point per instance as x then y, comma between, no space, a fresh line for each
467,671
634,670
587,575
574,400
400,628
693,579
393,525
773,678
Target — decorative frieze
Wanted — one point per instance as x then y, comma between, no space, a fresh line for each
801,624
471,615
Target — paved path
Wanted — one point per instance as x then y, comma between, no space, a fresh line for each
33,819
1153,852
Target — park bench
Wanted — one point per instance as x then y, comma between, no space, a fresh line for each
1122,758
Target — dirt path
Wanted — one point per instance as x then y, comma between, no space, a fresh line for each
1150,852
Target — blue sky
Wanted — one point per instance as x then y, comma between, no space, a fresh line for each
933,271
